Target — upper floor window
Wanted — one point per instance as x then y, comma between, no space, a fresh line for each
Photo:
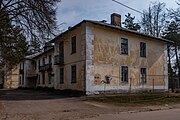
39,63
61,48
50,59
124,73
43,61
142,49
73,45
143,75
35,66
124,46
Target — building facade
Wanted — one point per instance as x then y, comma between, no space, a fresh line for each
27,73
45,68
94,56
11,78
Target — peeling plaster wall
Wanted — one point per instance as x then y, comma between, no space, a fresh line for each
89,61
12,80
77,59
103,57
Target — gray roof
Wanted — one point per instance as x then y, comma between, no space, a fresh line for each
113,27
126,30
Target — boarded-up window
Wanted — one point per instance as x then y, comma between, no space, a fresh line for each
124,46
142,49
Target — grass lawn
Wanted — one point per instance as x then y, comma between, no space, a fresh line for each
138,99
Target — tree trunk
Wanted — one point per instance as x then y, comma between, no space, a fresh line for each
170,68
177,62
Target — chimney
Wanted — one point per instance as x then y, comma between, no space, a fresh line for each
116,19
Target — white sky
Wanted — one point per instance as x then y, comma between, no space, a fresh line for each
72,12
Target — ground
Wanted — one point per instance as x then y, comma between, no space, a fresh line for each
41,105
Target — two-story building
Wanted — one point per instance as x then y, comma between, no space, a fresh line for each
27,73
37,70
95,56
45,67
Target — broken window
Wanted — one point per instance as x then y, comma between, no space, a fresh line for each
61,75
73,45
124,46
142,49
143,76
73,74
124,73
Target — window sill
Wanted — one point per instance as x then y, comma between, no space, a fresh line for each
124,54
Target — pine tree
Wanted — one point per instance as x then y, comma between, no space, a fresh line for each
129,23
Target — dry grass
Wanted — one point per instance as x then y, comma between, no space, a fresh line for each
138,99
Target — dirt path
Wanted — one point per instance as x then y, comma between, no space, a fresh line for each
36,105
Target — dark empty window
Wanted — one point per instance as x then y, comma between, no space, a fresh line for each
61,75
50,59
73,45
49,76
124,73
61,48
39,63
43,61
38,79
124,46
143,76
43,77
142,49
73,74
20,80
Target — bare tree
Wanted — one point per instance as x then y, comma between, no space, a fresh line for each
153,19
35,17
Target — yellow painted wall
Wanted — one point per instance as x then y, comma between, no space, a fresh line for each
11,78
77,58
108,59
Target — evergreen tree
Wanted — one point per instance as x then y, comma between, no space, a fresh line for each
129,23
172,32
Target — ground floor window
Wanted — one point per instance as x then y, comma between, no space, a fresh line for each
73,74
143,75
124,73
38,80
20,80
49,77
43,77
61,75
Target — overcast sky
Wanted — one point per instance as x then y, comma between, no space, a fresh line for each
72,12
